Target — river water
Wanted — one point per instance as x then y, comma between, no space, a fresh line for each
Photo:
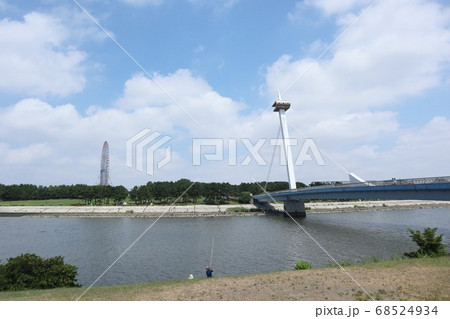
173,248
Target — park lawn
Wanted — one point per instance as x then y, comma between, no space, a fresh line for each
43,202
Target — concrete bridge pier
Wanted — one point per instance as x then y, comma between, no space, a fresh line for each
295,208
266,207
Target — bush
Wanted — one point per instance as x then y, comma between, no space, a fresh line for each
300,265
29,271
244,198
429,244
237,210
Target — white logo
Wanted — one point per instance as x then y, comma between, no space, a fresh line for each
213,149
150,142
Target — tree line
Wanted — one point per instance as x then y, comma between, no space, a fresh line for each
152,192
90,194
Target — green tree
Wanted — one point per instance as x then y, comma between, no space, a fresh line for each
119,194
181,186
429,244
163,191
196,191
320,184
134,195
252,188
300,185
29,271
277,186
212,193
244,198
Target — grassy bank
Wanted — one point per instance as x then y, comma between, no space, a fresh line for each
43,202
397,279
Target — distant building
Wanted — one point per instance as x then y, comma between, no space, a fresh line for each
104,166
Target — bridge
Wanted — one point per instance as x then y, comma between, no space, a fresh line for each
433,188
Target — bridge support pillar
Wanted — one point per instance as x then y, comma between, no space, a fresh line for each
295,208
266,207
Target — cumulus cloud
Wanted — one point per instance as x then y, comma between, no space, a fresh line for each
45,142
74,140
24,155
35,58
399,49
330,7
418,152
344,103
198,107
387,56
358,126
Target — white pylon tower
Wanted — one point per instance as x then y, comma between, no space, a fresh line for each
281,106
104,165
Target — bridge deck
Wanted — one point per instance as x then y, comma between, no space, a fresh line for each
439,190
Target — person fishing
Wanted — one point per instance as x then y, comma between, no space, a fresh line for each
209,271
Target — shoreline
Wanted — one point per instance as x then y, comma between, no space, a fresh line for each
153,211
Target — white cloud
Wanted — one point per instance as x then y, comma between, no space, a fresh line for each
73,140
42,144
419,152
357,126
32,118
326,7
399,49
35,58
197,103
330,7
29,154
344,102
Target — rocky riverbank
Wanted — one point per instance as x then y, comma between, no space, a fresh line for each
209,210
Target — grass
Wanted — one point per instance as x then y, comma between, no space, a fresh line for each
241,209
175,287
78,202
393,261
238,210
43,202
108,293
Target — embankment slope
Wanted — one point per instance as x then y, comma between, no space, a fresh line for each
419,279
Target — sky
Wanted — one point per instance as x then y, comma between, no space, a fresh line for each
368,82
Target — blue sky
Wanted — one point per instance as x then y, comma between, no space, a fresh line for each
377,103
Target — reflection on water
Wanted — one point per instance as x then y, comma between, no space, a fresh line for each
176,247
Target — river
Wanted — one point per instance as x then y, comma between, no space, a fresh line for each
173,248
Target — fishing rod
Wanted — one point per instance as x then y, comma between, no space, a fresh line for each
212,251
